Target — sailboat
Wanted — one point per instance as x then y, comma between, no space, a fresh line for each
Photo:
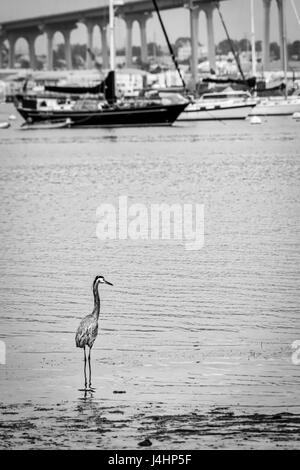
228,104
98,106
276,106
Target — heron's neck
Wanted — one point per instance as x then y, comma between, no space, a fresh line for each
96,301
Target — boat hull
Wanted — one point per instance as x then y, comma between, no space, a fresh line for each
39,126
143,116
276,109
215,112
4,125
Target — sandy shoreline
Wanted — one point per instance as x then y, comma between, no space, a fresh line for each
89,424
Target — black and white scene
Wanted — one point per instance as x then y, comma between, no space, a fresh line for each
149,226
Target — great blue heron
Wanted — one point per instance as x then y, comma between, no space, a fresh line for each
88,329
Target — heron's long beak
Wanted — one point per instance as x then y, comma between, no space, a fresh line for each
109,283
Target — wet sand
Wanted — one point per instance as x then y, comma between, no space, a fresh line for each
89,424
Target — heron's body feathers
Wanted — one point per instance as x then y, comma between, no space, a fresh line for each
87,331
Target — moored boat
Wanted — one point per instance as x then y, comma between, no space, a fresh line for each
285,105
224,105
47,125
277,106
4,125
87,111
98,106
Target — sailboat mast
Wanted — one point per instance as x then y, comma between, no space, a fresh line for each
253,51
284,44
112,35
168,43
235,54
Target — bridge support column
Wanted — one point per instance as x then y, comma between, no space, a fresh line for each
144,46
104,45
68,50
31,45
90,44
1,54
266,41
2,39
194,28
12,39
281,31
50,35
209,10
129,23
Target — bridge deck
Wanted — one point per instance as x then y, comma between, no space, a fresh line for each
62,12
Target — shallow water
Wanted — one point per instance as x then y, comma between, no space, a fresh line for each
200,341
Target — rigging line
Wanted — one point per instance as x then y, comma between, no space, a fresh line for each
169,44
213,118
230,42
296,12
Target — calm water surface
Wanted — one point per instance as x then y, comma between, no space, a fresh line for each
198,341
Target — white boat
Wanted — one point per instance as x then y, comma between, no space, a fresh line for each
224,105
277,106
4,125
46,125
255,120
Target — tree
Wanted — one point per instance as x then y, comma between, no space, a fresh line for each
121,51
23,61
295,49
258,46
274,51
154,49
79,52
59,56
136,51
225,46
244,45
179,43
4,54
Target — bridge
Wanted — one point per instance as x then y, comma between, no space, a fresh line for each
130,11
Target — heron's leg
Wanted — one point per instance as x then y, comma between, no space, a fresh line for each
85,379
90,370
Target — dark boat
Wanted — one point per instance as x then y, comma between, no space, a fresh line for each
86,110
98,105
112,117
